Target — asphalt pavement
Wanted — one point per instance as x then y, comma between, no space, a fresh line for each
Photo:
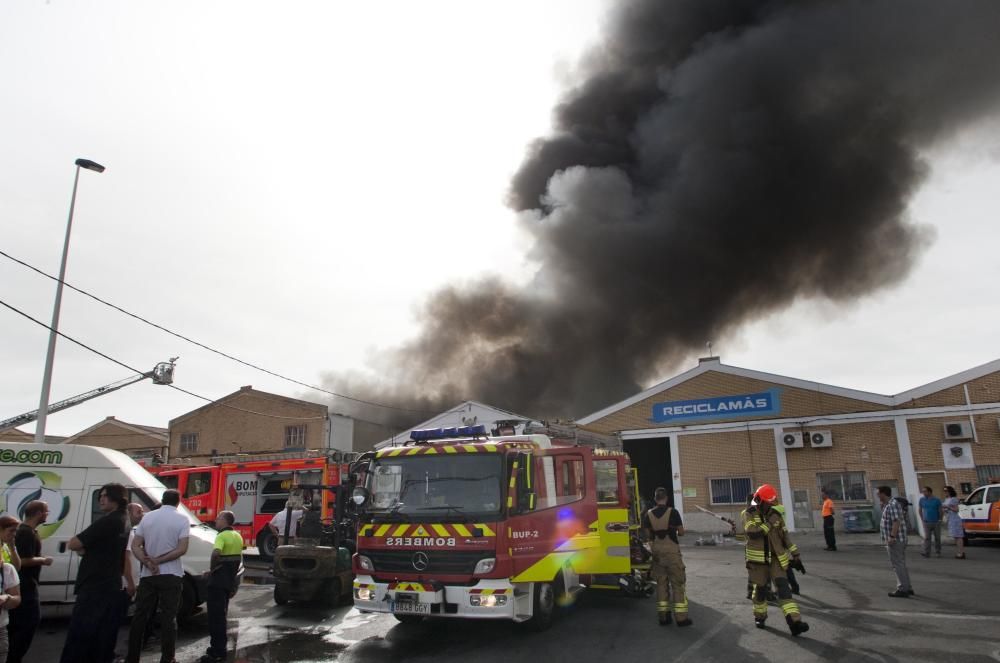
954,616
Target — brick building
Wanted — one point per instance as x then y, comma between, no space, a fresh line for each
139,442
715,432
252,421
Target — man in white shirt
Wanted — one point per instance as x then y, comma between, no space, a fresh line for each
159,542
277,525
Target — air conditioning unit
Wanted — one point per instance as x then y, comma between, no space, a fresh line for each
820,438
792,440
957,430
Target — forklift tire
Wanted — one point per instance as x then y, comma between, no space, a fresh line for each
408,619
331,594
267,544
280,597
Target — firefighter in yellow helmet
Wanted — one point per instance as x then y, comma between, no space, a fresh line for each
663,525
769,552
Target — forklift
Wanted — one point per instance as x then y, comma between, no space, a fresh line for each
317,566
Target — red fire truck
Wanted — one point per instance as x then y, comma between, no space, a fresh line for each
457,524
254,487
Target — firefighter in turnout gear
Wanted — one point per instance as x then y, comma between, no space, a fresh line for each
663,525
769,553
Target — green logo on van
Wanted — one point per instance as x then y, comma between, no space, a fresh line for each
33,457
40,485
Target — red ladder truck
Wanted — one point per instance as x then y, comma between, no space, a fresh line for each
456,524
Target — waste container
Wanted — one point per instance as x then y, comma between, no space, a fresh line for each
859,518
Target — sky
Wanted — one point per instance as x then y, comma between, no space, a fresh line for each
290,182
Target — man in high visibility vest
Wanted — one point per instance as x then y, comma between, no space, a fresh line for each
663,525
223,581
769,552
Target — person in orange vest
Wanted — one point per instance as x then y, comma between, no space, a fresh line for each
828,522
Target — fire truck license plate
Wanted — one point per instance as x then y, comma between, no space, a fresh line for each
410,607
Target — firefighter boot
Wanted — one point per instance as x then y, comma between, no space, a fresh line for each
665,619
760,622
797,627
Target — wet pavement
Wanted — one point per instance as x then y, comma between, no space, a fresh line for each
955,616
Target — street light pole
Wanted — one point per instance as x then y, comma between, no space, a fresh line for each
43,404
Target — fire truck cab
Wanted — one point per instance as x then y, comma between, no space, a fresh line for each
457,524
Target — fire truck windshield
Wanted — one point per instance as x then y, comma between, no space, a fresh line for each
442,485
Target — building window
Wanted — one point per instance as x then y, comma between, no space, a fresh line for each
189,442
731,490
987,474
295,436
844,486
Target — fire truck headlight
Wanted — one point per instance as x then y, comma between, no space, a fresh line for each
488,600
365,564
485,566
364,594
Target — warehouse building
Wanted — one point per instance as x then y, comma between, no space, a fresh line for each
715,432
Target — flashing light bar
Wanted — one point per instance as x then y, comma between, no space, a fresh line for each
445,433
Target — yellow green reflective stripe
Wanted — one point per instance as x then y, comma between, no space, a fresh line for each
789,608
462,530
441,530
401,530
381,531
486,529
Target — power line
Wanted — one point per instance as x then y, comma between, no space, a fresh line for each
184,391
211,349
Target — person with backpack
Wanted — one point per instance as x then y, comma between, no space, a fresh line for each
663,525
893,528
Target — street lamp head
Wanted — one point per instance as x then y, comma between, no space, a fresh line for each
90,165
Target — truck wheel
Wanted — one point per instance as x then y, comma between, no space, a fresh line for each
267,544
543,605
280,595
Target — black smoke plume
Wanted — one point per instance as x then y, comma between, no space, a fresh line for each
715,161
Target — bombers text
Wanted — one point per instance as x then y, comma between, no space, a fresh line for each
431,541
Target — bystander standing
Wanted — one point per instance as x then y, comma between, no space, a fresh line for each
10,589
955,528
893,528
223,581
281,521
159,542
24,619
930,514
829,522
93,626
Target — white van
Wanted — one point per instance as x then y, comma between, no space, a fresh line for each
68,478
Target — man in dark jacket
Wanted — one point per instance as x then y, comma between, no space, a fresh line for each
93,627
25,617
